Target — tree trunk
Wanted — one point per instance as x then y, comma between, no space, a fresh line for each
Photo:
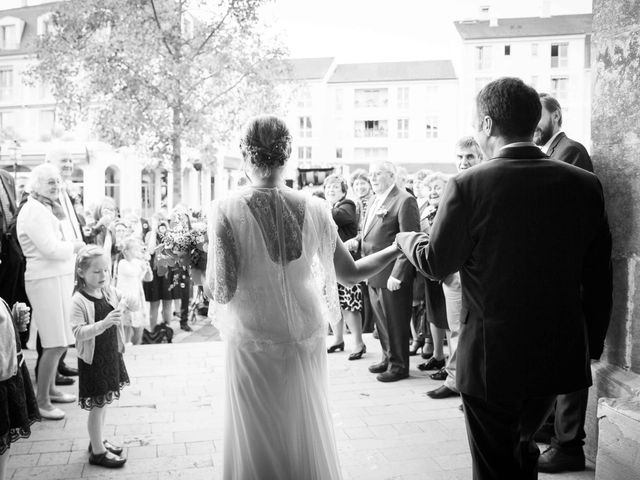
176,158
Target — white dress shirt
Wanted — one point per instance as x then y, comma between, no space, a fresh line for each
545,147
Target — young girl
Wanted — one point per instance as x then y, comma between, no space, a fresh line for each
96,315
131,271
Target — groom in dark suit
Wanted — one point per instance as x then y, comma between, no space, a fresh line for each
391,211
531,241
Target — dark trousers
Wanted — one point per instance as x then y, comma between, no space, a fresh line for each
568,425
501,436
368,320
392,312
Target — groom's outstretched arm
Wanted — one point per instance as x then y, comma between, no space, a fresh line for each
449,245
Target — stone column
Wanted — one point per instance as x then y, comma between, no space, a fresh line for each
615,131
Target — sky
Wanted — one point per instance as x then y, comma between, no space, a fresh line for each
389,30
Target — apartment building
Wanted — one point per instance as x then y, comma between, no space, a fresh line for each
551,53
29,129
349,115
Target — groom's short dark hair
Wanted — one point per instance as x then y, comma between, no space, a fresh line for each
514,106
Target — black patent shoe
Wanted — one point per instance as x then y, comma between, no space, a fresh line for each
432,364
415,346
116,450
64,380
67,371
336,347
358,355
185,326
107,460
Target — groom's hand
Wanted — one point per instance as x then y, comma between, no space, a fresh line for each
393,284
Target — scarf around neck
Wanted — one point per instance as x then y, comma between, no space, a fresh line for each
55,206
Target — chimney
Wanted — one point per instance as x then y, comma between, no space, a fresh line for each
488,13
545,9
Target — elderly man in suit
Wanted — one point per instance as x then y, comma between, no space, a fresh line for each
564,429
531,241
392,210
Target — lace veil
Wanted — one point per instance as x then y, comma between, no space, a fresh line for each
270,267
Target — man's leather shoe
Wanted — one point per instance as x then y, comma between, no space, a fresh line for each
185,326
442,392
63,380
67,371
554,460
391,376
441,375
432,364
378,367
544,434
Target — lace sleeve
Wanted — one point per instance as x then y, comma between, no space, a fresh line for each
327,232
222,264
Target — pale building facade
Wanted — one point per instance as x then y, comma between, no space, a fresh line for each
552,54
350,115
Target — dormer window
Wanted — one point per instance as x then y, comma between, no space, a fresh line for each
11,29
45,24
8,37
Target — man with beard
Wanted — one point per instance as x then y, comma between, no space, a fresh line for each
553,141
564,429
535,269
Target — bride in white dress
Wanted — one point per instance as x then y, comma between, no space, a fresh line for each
273,258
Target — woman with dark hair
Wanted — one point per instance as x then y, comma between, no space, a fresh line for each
361,188
274,261
343,211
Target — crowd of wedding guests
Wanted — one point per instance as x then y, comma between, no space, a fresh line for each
52,247
47,238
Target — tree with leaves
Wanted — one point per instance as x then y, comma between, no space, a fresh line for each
160,74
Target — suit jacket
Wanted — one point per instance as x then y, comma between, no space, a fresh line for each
9,233
379,231
566,150
531,241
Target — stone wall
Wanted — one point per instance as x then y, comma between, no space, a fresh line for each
615,134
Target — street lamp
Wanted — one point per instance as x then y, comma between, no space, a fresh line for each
197,166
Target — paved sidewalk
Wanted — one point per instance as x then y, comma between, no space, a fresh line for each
170,421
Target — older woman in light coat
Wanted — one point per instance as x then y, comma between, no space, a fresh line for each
48,280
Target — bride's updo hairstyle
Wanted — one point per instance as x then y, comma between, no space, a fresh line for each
266,144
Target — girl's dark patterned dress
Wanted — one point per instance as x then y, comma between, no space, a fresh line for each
101,381
18,406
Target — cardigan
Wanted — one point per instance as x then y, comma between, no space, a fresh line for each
83,321
40,236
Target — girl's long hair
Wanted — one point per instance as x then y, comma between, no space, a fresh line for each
85,256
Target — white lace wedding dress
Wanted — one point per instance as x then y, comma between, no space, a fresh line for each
271,270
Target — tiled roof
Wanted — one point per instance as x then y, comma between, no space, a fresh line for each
308,68
394,71
526,27
30,34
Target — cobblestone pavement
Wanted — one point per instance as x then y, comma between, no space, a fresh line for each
170,421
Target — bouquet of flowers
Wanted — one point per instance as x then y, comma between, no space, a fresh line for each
184,247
